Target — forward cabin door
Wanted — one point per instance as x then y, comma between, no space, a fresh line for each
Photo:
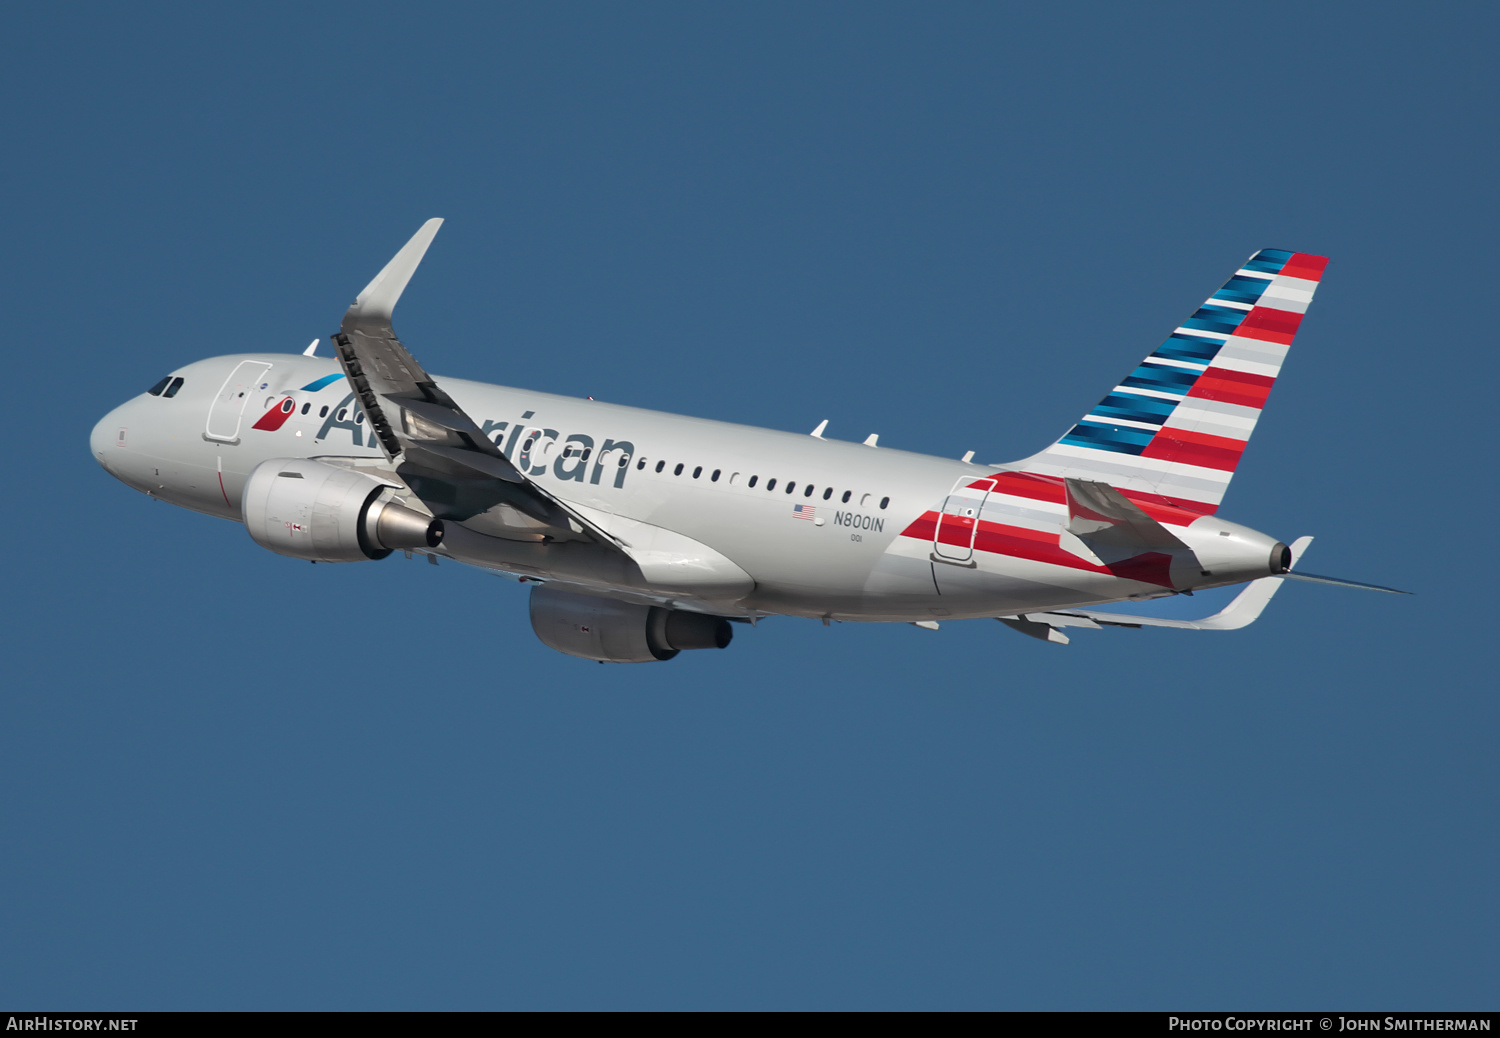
953,540
238,389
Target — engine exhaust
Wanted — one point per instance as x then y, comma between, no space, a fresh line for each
397,527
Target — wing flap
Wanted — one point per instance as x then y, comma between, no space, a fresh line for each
1035,629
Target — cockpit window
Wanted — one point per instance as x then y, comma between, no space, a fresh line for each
156,389
171,390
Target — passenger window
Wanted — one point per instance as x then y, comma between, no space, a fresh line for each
624,460
660,465
156,389
791,485
323,411
359,419
864,500
845,498
678,470
752,481
771,483
288,405
808,491
734,479
640,465
306,408
697,471
884,501
715,477
171,390
586,452
827,493
342,412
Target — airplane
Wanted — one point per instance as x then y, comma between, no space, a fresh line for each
644,534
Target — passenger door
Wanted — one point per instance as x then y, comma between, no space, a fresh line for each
229,405
958,522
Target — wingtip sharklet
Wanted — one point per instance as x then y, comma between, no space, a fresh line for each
377,301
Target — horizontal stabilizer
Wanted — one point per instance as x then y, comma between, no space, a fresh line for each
1100,514
1313,578
1244,610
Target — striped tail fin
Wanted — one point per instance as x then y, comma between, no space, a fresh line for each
1172,432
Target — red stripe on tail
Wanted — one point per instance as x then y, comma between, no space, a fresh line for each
1301,265
1270,325
1194,448
1233,387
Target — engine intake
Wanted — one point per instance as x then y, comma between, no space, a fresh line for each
604,629
322,513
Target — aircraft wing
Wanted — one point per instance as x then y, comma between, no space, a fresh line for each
1244,610
437,449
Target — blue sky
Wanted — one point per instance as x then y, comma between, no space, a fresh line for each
236,781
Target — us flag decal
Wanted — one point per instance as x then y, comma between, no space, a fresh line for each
804,512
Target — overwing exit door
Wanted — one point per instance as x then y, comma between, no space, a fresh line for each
958,522
238,389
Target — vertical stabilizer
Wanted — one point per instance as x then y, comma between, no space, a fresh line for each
1174,429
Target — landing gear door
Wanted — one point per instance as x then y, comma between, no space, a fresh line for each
238,389
958,522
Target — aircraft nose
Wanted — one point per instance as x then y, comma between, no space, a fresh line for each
109,432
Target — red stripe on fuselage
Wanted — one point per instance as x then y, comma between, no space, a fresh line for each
1033,487
1163,508
1022,484
1038,546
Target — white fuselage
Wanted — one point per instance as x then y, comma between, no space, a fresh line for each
795,524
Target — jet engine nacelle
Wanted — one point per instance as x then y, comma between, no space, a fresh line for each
322,513
1228,553
620,632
